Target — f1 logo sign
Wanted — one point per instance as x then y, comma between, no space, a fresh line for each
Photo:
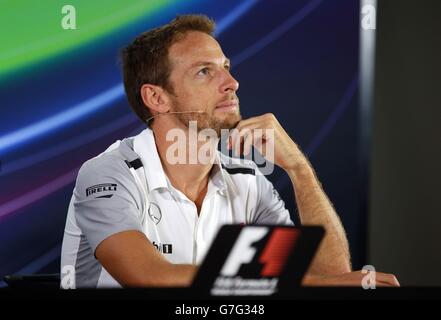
273,256
243,252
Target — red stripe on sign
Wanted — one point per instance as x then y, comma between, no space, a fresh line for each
277,250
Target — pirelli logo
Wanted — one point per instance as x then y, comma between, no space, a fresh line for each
101,188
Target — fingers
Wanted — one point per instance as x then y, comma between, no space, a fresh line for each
352,279
266,120
250,121
385,279
240,141
250,132
248,142
242,138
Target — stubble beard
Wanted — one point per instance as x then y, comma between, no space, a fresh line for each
209,120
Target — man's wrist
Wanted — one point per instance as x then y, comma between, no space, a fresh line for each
299,168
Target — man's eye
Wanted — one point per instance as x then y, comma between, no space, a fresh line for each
203,72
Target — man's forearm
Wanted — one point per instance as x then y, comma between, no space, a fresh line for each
314,206
180,275
170,275
316,209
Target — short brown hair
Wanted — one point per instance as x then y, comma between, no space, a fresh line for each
145,60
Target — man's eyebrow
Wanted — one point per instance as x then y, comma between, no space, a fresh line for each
209,63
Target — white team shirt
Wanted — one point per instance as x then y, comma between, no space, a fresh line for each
125,188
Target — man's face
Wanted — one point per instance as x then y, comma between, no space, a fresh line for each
200,76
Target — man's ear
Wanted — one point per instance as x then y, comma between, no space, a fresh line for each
155,98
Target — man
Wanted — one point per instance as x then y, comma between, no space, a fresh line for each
139,218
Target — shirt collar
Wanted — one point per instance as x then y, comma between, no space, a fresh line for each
144,145
216,182
223,176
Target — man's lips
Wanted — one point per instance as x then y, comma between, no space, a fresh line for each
230,105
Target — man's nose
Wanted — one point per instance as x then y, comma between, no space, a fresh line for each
229,83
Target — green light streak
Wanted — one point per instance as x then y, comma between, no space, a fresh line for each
31,31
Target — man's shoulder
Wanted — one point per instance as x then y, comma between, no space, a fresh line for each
112,161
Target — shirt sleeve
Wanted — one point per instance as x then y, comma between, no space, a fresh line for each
270,206
106,200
